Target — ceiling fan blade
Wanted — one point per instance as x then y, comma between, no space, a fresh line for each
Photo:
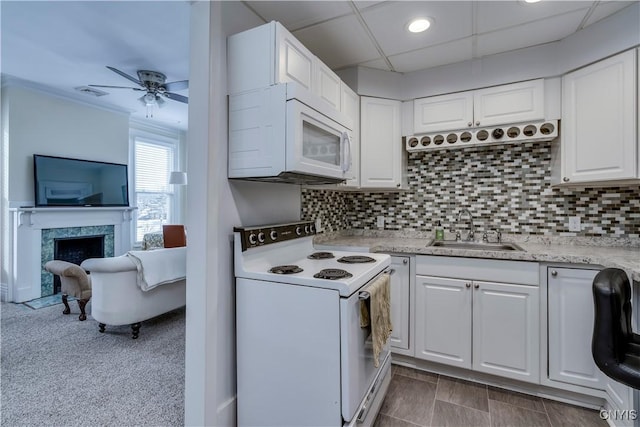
126,76
179,85
117,87
176,97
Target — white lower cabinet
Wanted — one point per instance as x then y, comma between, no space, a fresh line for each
570,323
571,314
400,280
484,326
443,320
488,325
506,330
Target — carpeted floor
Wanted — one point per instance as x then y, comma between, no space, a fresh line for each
58,371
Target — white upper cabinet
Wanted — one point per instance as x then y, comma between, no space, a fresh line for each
599,121
328,85
270,54
295,63
444,112
381,148
512,103
266,55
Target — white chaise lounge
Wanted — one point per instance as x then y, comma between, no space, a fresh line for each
120,294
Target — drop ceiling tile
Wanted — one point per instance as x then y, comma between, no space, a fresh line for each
493,15
387,22
531,34
604,9
446,53
339,42
379,64
299,14
361,5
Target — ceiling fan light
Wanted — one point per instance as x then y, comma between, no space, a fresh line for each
150,99
419,25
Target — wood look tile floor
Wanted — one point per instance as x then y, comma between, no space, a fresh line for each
417,398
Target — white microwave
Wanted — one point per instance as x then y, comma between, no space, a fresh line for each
284,133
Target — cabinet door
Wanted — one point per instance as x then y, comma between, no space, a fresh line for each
506,330
599,121
380,143
400,303
443,320
445,112
327,85
571,314
350,105
513,103
295,63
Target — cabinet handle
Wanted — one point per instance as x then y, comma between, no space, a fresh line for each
398,185
565,179
469,124
476,286
478,123
468,285
554,273
405,262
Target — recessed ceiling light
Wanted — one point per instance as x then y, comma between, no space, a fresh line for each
531,1
419,25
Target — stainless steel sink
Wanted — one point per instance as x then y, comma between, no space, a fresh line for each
477,246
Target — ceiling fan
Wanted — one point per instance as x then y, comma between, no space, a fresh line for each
153,83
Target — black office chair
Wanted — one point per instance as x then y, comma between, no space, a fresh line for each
615,348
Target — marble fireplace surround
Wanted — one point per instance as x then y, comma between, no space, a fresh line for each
26,254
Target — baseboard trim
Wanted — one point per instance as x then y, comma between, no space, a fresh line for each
4,292
226,414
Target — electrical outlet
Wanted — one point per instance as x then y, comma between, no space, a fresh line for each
318,225
380,221
574,223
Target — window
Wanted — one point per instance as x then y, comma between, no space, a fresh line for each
154,158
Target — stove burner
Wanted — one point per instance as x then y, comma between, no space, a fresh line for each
356,259
285,269
332,274
321,255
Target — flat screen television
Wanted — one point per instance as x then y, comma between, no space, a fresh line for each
60,181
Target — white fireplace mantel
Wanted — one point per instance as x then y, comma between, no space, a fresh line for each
26,225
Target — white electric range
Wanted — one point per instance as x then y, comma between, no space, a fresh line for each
302,357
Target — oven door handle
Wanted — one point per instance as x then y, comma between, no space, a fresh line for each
364,295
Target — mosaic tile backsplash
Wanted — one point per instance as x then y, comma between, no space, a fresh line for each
48,246
504,187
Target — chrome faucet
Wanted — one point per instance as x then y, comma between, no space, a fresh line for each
472,229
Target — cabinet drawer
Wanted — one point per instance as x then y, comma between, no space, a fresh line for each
520,272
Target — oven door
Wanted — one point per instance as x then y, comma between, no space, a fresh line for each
357,369
316,144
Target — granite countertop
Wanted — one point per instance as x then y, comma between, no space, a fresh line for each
606,252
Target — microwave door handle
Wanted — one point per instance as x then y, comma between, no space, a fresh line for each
346,151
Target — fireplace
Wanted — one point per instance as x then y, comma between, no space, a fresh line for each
76,250
33,235
72,244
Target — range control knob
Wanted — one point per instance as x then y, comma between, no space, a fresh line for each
253,239
312,228
261,237
273,234
306,229
299,231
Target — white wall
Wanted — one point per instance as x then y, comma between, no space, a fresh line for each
215,206
43,124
